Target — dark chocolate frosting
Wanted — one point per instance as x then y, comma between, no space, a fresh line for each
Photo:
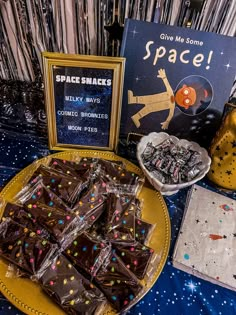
122,227
59,223
65,187
22,217
136,257
63,200
87,253
118,284
118,202
40,194
68,288
82,169
142,230
25,248
117,175
64,167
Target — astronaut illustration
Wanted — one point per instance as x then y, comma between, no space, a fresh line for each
185,97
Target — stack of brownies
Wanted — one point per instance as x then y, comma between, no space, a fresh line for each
76,228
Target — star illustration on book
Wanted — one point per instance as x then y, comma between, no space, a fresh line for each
138,78
228,172
134,32
221,158
218,148
227,66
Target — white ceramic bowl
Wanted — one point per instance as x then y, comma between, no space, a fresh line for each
157,138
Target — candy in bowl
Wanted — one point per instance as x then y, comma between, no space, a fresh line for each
170,163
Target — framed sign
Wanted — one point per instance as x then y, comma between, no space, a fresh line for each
83,100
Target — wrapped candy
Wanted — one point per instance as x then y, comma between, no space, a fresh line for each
122,227
82,169
64,167
135,256
62,225
119,285
118,178
171,163
41,195
22,217
148,152
87,253
68,288
66,232
119,203
143,230
117,206
121,217
25,248
65,187
92,203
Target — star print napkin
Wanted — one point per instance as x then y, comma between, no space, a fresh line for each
206,245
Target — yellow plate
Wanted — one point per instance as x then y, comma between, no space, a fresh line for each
28,296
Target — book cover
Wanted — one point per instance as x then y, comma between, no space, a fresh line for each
176,79
206,244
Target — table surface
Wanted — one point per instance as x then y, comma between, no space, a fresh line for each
175,292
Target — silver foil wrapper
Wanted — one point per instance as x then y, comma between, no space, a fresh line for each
171,163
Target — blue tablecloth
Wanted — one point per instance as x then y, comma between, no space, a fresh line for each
175,292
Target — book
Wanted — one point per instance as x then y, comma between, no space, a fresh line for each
206,244
176,79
